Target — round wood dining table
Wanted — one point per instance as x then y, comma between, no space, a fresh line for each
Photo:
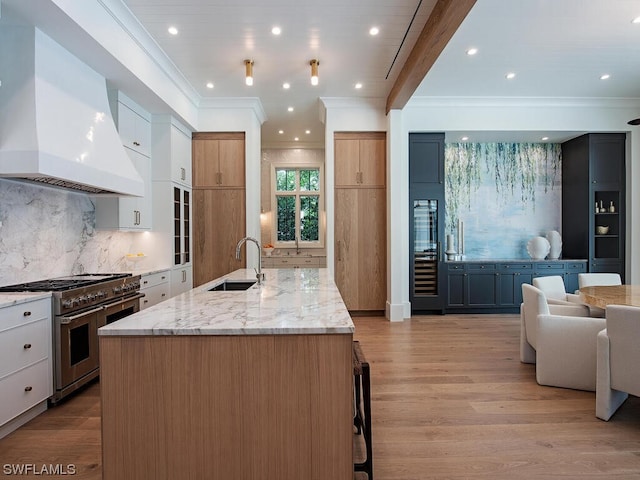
601,296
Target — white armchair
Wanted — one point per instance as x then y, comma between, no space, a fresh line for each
597,279
618,358
560,340
553,288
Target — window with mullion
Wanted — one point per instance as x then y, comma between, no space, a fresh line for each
297,203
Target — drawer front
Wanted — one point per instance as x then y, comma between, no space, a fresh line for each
24,389
295,262
577,267
17,315
153,295
453,267
154,279
24,345
551,267
481,267
517,267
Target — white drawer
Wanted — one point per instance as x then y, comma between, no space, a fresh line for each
153,295
154,279
24,389
24,345
293,262
25,312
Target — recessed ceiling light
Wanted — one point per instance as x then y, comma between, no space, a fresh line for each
374,31
358,85
290,109
210,85
307,132
280,132
636,20
464,139
172,30
472,51
276,30
296,139
286,85
544,139
604,76
510,76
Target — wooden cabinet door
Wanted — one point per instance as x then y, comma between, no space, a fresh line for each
218,224
372,241
372,161
347,158
347,245
231,162
205,162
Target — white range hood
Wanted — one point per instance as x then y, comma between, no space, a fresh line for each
55,123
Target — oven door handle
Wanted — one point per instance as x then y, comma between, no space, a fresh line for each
68,320
124,299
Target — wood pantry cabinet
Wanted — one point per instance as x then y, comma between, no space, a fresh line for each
218,160
360,220
593,195
219,212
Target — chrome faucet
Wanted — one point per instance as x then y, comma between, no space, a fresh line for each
259,274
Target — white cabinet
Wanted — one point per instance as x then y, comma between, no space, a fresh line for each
156,288
128,213
181,280
26,368
134,127
171,150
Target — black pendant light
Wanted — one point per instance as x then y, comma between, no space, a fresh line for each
635,121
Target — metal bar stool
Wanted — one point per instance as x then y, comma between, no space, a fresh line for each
362,415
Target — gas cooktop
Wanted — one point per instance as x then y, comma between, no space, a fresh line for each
60,284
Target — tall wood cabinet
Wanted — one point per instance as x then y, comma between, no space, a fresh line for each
219,213
593,195
360,219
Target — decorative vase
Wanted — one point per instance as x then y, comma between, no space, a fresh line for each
555,242
538,248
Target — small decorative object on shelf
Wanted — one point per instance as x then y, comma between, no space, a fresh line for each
602,229
597,208
555,242
538,248
268,249
602,209
612,209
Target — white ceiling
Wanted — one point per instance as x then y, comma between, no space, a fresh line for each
215,37
557,48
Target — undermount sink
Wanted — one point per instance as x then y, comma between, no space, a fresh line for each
231,285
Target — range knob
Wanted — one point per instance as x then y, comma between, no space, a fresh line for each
117,290
67,303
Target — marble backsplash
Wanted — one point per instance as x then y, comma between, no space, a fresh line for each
47,232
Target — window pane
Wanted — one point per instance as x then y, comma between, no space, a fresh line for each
310,180
285,180
286,218
309,230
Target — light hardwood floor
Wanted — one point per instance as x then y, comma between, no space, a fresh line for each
451,400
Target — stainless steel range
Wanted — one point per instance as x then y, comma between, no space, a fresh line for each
82,304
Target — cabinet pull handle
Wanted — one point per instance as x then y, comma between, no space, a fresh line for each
183,173
163,295
163,277
137,144
26,314
184,276
339,252
145,282
145,301
27,346
28,388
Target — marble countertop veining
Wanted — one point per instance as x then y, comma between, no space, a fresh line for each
289,301
10,299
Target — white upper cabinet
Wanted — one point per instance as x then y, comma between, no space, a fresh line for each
134,125
171,150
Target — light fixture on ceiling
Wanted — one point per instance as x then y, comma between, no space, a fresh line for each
510,76
373,31
172,30
636,20
286,85
358,86
210,85
544,139
472,51
248,67
605,76
314,71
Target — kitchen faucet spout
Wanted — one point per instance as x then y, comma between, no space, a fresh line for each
259,274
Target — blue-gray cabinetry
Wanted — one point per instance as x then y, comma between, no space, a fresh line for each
496,286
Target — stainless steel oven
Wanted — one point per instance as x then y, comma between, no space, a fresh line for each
76,340
82,304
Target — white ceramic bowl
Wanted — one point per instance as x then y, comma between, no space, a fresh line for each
602,230
268,250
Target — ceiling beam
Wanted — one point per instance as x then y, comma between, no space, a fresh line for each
445,18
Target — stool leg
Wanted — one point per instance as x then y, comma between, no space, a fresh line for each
366,387
357,417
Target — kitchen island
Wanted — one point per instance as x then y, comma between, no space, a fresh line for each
248,384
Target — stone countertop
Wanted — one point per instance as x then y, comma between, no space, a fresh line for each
10,299
289,301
